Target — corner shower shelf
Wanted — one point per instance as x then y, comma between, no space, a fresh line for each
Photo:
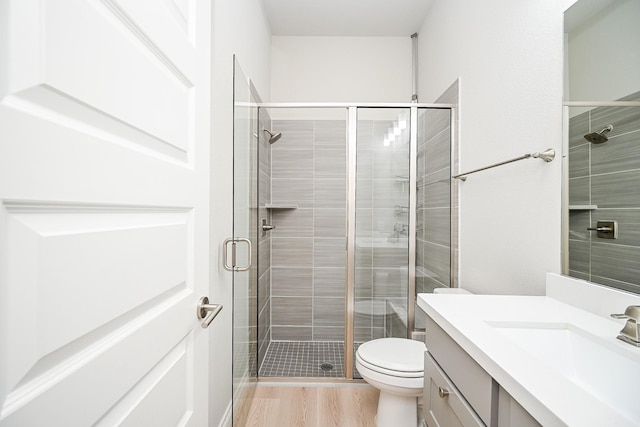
280,206
583,207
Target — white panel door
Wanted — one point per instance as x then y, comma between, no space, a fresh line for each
104,171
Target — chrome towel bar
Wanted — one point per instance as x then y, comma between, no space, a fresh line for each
547,155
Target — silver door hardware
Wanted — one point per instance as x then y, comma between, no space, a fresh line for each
443,392
606,229
203,308
265,226
233,266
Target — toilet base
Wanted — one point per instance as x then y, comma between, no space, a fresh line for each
397,411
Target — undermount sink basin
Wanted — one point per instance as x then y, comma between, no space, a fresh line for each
601,368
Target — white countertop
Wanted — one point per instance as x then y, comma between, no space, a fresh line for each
547,395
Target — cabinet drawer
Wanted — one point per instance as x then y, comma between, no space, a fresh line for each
444,406
475,384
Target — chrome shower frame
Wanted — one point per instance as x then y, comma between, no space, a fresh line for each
351,117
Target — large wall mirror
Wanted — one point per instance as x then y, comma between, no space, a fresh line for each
601,219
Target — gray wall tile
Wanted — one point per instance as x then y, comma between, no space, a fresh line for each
364,164
437,260
389,282
296,135
621,263
290,281
579,161
365,134
579,256
291,333
292,164
389,193
264,290
437,226
293,191
390,258
329,223
329,164
292,222
438,153
616,190
620,153
362,334
578,127
579,221
389,164
623,119
437,187
264,256
329,282
291,311
329,252
328,312
364,223
451,94
363,282
322,333
330,134
291,252
364,194
625,286
435,122
330,193
579,191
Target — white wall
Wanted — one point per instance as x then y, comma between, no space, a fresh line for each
239,27
341,69
604,54
508,56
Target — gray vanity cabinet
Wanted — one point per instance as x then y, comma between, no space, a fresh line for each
444,405
458,392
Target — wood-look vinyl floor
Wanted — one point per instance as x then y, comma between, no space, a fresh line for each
311,407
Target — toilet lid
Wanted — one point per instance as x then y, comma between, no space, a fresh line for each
396,354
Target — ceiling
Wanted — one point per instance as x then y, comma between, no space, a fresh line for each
371,18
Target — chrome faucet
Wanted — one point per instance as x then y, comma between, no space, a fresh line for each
399,229
631,331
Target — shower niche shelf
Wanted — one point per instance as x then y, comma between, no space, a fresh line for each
280,206
583,207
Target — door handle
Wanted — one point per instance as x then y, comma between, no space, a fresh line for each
233,266
203,308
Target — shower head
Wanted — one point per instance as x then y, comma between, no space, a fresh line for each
273,137
599,137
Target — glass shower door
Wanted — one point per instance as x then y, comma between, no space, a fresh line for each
382,224
243,245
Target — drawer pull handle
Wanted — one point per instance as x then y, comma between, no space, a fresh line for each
442,392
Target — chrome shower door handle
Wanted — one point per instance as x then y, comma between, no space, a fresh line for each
233,266
203,308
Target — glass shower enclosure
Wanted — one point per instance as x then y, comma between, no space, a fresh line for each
351,220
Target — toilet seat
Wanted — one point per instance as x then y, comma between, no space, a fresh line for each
391,372
398,357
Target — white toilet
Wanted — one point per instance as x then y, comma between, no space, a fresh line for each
396,367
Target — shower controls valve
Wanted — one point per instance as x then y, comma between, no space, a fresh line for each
606,229
265,226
